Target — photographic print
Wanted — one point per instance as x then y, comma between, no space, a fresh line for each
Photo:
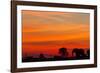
51,36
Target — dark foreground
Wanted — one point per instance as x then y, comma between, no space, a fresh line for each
30,59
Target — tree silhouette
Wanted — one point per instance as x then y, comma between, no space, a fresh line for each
63,52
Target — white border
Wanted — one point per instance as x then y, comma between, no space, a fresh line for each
53,63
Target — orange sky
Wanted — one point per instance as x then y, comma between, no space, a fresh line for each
46,32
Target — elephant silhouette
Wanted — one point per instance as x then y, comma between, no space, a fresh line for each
88,53
78,53
41,56
63,52
82,52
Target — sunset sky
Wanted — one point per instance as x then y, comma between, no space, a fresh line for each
45,32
